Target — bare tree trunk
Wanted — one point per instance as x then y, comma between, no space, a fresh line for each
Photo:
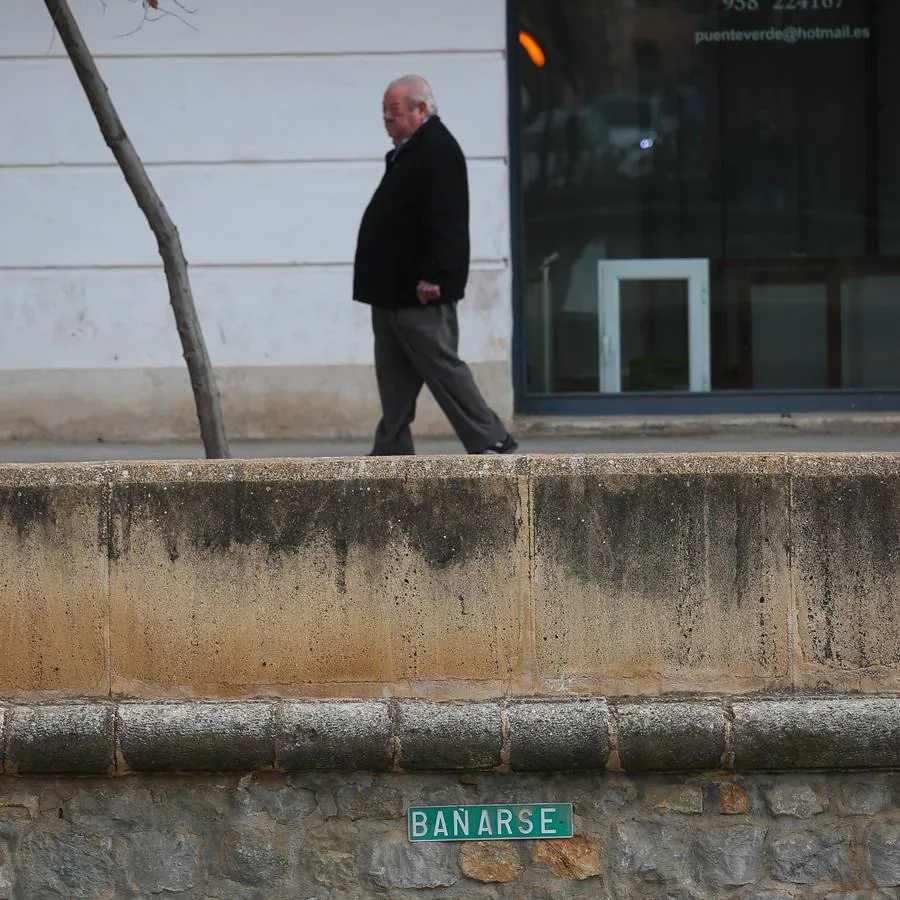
203,382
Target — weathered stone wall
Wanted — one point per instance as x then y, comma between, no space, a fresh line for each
702,653
274,837
681,798
451,577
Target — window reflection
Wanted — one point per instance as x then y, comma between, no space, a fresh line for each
762,138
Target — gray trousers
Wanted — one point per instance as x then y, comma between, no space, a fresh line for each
416,346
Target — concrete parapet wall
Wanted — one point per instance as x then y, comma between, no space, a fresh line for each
451,577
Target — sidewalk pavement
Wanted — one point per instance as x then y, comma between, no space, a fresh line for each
848,432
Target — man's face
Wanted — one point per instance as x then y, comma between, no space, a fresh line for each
401,120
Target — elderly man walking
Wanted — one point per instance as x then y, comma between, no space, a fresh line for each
411,267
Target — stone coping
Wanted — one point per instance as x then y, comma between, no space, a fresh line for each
628,735
204,471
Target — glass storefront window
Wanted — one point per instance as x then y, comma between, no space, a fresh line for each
758,139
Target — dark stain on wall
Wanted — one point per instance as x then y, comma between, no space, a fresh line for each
675,542
27,508
663,533
446,520
847,539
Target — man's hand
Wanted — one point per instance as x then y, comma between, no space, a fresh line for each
426,291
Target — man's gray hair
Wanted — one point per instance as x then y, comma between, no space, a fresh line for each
418,91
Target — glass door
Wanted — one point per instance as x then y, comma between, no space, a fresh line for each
654,325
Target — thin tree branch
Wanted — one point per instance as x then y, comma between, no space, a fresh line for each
147,17
206,395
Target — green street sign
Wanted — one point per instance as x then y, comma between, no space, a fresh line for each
504,822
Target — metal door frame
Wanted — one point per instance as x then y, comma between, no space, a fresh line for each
611,273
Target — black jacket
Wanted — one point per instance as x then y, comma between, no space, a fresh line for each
416,225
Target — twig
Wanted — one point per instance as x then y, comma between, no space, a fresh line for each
147,17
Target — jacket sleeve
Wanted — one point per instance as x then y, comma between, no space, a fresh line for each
445,214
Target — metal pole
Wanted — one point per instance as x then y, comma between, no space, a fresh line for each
547,300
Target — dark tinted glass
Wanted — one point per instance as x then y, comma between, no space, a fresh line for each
761,135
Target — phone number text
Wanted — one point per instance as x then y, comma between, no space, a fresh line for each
781,5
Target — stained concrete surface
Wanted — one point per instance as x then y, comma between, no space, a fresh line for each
450,576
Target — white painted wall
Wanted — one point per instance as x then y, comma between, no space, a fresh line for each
260,125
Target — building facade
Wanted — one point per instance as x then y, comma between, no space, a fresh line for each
677,206
262,132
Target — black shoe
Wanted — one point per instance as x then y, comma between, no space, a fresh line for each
507,445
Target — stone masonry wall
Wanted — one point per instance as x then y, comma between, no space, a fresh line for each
198,660
343,837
